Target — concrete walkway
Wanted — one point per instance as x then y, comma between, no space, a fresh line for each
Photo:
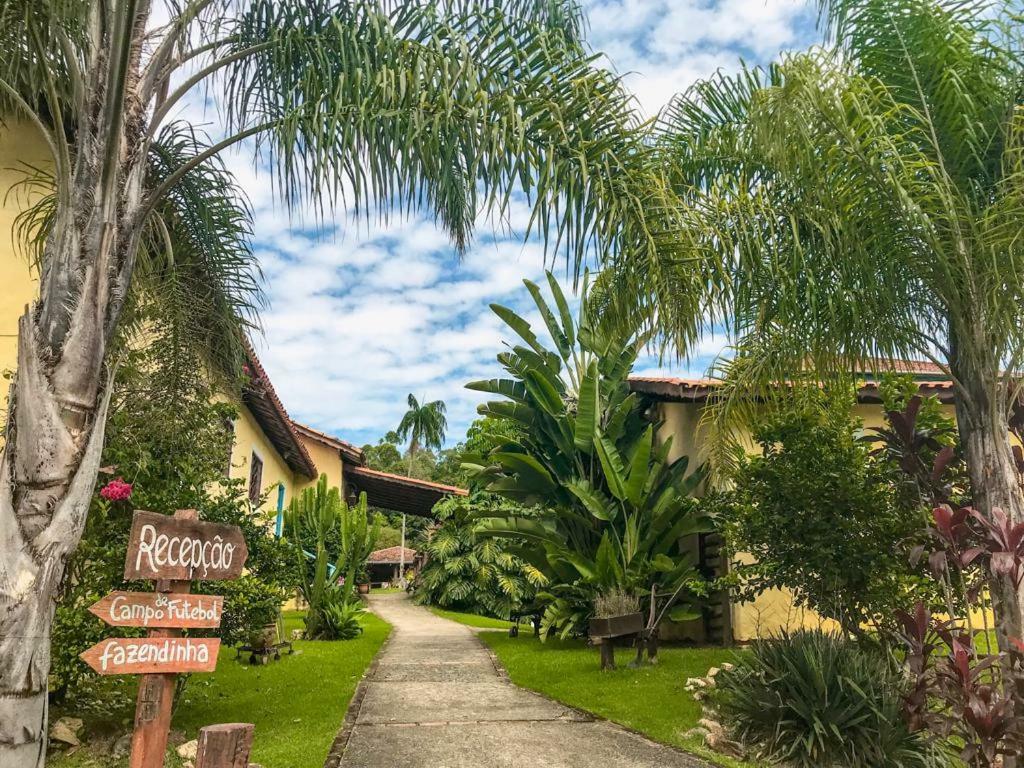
434,698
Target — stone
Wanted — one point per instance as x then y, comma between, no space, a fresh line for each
122,746
717,739
298,634
188,764
712,672
188,750
66,730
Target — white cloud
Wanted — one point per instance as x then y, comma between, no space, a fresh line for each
362,312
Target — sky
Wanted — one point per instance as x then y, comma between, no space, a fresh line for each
359,315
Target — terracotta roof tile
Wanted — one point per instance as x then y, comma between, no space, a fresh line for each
391,555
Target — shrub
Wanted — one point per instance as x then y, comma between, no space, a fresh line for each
471,573
823,518
819,700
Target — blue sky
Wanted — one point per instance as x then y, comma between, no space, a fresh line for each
360,315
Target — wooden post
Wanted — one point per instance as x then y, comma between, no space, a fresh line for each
156,691
607,648
225,746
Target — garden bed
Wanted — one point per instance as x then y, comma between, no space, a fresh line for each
297,703
651,700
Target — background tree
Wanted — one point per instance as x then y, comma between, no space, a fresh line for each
376,104
863,201
423,425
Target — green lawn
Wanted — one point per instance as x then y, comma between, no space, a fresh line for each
297,704
472,619
651,700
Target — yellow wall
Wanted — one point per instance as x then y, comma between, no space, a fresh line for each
775,609
19,147
328,462
248,438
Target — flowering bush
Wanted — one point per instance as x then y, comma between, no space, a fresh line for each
116,490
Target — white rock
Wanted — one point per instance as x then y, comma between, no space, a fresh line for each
188,750
66,730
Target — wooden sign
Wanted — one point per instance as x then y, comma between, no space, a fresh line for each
182,549
160,609
153,655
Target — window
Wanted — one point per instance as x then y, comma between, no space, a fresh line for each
255,478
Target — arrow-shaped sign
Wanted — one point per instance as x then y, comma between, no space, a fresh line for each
160,609
159,655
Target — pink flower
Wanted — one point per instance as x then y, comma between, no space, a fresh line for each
116,490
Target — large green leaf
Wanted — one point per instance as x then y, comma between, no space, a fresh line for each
639,468
607,568
599,505
611,464
543,393
588,410
520,326
557,334
513,390
532,475
563,309
500,409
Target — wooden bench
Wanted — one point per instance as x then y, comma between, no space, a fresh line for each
531,612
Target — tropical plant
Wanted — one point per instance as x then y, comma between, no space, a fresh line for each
424,425
612,506
472,573
821,517
166,438
959,688
818,700
312,518
445,107
861,202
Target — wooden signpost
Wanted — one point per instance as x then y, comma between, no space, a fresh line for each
171,551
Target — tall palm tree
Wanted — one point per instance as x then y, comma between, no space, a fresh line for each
375,105
424,426
861,202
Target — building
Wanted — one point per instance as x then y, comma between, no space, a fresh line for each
384,566
679,404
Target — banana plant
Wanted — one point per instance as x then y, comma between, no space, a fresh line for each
616,506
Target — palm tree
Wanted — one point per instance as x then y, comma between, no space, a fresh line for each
424,425
863,202
375,105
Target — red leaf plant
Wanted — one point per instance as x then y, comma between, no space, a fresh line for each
955,689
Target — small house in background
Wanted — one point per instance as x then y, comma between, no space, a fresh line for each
384,565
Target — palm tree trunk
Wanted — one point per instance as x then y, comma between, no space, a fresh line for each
59,398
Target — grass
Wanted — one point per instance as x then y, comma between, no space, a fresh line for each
297,703
651,700
472,619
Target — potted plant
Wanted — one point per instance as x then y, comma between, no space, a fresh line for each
616,614
363,581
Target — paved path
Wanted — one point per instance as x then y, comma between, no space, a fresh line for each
435,699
